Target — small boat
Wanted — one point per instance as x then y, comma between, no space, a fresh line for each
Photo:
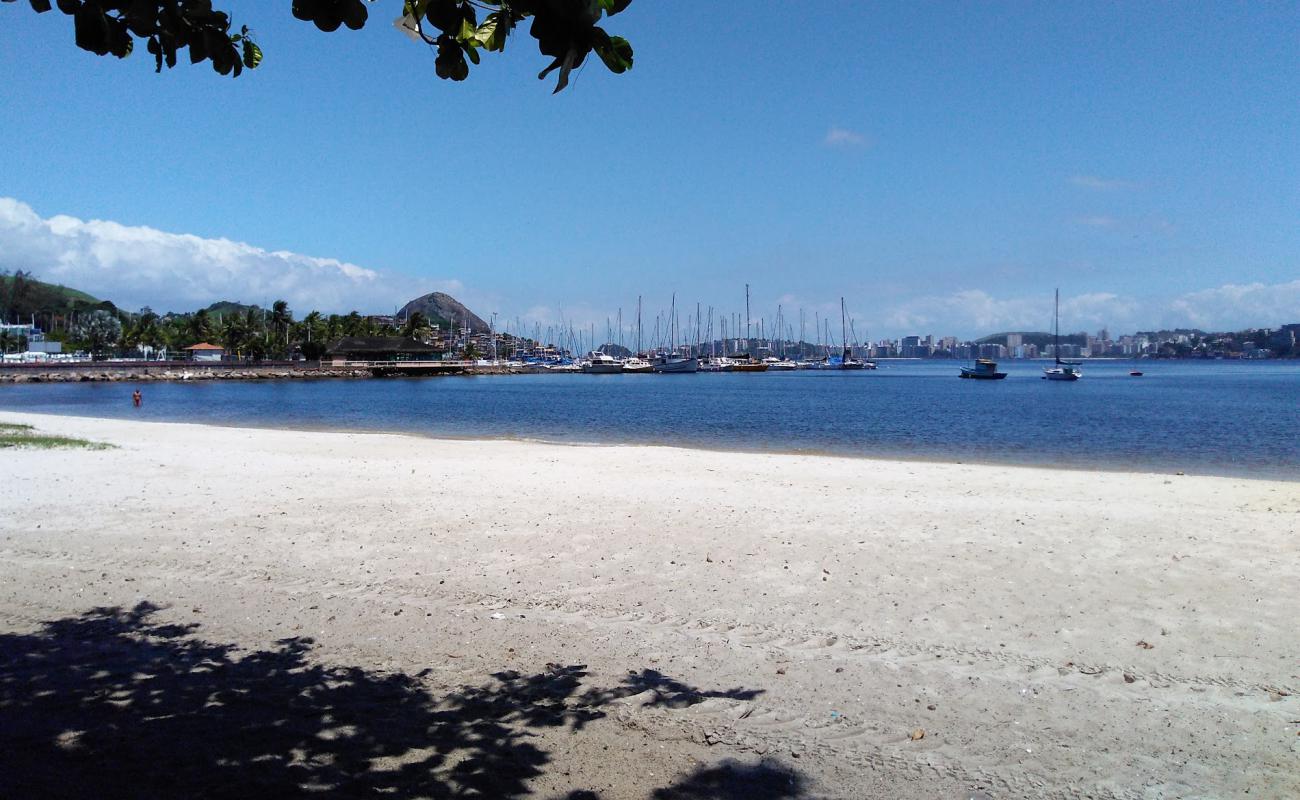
985,369
1064,370
781,365
637,365
674,361
747,364
599,363
1135,373
667,363
847,361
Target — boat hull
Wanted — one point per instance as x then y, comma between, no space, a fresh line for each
745,368
602,369
990,376
1060,375
677,366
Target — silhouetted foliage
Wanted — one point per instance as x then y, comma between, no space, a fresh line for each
565,30
113,704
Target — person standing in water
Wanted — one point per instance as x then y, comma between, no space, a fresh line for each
136,398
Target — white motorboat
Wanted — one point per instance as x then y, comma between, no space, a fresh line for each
599,363
671,364
636,364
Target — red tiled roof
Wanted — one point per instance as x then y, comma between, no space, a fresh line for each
205,346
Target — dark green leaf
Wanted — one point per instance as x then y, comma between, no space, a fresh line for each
252,54
616,53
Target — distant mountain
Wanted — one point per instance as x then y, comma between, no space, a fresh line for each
229,308
22,296
443,310
1038,338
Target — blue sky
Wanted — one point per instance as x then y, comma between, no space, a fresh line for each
943,166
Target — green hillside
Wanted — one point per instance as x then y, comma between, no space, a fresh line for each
22,296
229,308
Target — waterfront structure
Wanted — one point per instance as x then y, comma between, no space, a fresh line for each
380,348
204,351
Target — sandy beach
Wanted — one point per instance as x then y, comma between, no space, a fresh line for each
223,612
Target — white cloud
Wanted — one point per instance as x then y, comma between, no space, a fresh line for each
136,266
1236,306
843,137
973,312
1102,184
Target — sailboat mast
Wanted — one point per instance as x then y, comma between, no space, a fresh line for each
697,330
747,328
779,320
1056,327
672,324
844,329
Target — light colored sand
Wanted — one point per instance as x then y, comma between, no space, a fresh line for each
999,609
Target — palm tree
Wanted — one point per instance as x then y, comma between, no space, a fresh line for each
281,319
416,326
233,334
200,326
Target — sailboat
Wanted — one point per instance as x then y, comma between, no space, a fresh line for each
635,364
847,361
673,362
1063,370
745,362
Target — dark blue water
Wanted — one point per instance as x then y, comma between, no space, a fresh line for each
1221,418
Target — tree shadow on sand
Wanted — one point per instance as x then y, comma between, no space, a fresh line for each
115,704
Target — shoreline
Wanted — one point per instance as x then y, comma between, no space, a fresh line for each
721,449
688,448
1049,633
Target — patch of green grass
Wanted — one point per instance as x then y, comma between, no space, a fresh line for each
20,436
10,427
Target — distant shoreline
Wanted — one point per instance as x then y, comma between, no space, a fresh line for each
110,371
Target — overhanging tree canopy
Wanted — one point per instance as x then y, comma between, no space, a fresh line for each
565,30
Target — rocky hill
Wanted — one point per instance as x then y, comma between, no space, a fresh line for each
444,310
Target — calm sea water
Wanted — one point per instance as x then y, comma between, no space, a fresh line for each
1219,418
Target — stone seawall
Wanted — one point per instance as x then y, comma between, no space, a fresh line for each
81,374
156,374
